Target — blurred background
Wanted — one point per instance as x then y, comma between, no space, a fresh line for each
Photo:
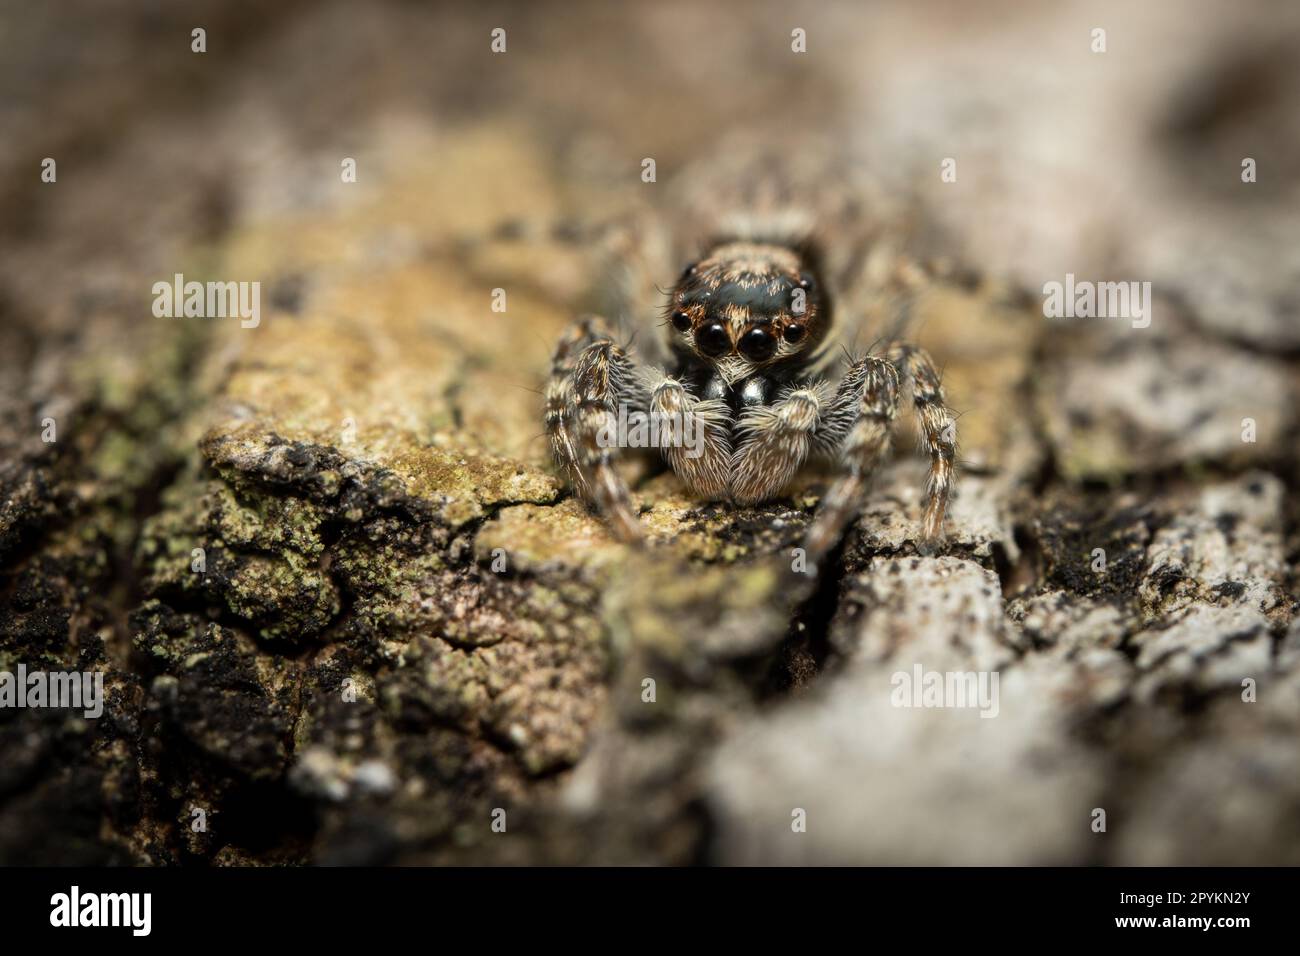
477,170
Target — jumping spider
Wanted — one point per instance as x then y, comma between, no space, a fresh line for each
746,342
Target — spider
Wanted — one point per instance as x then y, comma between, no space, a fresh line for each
745,344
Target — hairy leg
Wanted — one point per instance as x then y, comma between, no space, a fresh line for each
703,458
938,431
591,376
774,441
859,424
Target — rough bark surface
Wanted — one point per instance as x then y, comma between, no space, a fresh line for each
405,624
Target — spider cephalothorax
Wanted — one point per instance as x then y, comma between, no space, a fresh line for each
745,309
741,391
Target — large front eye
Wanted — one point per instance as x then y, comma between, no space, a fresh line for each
758,344
712,340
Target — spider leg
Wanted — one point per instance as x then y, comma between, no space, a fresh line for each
938,431
857,426
863,437
560,395
702,458
590,377
774,441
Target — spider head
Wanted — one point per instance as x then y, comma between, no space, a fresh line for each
746,307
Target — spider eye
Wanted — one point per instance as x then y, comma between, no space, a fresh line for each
688,272
807,283
681,321
712,340
794,333
758,344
